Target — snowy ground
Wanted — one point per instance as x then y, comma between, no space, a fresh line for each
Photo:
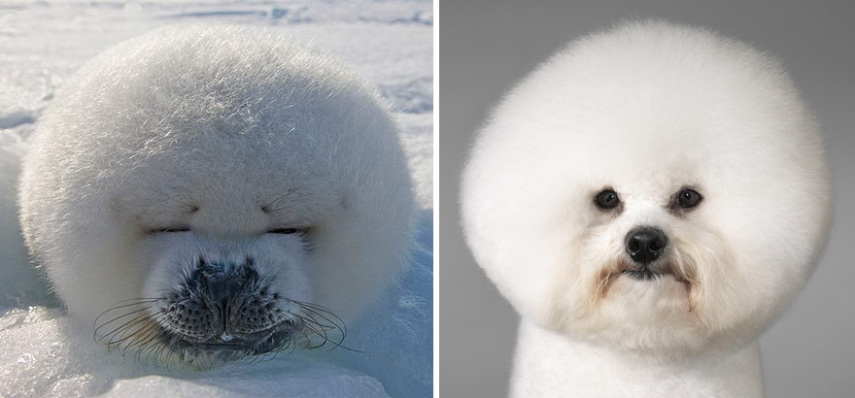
42,43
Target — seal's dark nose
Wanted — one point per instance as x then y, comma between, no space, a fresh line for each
645,244
223,287
221,284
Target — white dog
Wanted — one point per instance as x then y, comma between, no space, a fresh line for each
650,200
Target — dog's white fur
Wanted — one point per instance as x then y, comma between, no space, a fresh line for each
648,109
230,132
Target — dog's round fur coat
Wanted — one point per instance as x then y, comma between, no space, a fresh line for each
648,110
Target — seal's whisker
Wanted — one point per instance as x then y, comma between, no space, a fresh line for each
142,326
104,324
307,339
145,347
137,303
123,328
153,353
317,332
331,324
317,309
147,334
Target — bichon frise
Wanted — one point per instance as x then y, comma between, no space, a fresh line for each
650,200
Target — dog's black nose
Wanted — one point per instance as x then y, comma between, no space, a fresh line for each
645,244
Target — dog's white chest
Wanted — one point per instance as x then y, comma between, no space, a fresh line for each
550,365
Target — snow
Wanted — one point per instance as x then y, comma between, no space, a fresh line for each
42,43
67,366
16,118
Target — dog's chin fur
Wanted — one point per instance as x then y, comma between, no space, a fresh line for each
647,110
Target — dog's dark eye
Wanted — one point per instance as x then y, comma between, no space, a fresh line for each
607,199
689,198
286,231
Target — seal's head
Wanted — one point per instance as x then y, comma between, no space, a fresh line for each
654,187
216,192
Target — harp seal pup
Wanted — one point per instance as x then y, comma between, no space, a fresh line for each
202,194
650,200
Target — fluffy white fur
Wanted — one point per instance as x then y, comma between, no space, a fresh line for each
192,142
648,109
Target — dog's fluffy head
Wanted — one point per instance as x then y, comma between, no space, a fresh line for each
654,187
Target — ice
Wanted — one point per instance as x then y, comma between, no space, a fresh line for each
43,357
20,284
293,380
388,352
16,118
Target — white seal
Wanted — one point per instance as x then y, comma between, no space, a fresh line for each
649,199
200,194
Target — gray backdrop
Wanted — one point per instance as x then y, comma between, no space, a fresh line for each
487,45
